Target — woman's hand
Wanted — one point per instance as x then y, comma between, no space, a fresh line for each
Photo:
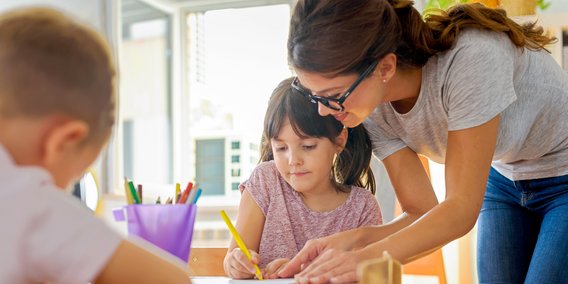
332,266
313,248
271,270
237,265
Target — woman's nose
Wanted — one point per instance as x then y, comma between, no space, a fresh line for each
323,110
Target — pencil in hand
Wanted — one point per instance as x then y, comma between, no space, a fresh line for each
240,242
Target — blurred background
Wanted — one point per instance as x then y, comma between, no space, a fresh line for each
194,80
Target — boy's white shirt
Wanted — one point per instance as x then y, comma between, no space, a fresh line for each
46,234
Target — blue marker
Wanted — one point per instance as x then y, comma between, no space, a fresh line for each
197,194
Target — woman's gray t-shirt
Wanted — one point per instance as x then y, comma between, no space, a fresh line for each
482,76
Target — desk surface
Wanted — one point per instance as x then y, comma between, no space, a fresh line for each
225,280
406,279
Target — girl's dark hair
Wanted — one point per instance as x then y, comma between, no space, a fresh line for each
344,36
352,166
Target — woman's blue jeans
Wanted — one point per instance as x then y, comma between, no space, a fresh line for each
523,231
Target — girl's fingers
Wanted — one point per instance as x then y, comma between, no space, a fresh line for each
239,272
274,267
240,266
316,266
245,262
332,266
277,270
309,252
255,257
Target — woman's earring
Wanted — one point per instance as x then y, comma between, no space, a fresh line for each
384,80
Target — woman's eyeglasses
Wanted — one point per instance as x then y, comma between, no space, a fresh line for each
332,103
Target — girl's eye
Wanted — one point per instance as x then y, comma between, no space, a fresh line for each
279,148
310,147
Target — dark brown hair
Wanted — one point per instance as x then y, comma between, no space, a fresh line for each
51,65
344,36
352,166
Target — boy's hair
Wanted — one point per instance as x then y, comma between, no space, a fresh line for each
352,164
51,65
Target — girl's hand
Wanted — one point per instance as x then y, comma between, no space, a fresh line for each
272,269
313,248
332,266
238,266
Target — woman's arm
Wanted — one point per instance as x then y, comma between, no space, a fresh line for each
468,159
413,191
250,223
416,196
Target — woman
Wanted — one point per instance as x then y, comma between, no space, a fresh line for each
468,88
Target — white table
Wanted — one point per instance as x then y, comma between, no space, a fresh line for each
406,279
225,280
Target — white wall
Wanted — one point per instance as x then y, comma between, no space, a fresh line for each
556,6
91,12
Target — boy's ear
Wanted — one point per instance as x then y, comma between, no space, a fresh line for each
341,140
62,138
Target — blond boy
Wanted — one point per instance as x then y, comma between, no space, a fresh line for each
57,107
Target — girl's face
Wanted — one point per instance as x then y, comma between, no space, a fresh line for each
305,163
362,101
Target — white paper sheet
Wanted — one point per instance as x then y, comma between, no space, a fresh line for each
266,281
225,280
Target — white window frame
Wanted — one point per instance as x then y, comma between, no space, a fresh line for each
179,11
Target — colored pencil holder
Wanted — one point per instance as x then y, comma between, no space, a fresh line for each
169,227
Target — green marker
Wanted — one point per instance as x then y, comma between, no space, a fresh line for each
134,193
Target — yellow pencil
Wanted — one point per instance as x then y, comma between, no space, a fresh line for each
178,193
127,193
239,241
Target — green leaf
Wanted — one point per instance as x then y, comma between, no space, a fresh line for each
542,5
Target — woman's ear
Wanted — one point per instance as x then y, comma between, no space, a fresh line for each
341,140
62,139
387,67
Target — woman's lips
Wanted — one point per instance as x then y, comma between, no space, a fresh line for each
340,116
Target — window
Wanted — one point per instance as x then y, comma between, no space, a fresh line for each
235,58
235,159
235,186
144,103
210,166
235,145
195,79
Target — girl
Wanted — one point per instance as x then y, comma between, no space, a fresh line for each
469,88
310,183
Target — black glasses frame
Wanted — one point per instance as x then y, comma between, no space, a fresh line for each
326,101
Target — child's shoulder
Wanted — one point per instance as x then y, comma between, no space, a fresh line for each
361,193
265,185
266,166
265,171
363,202
363,199
263,177
42,219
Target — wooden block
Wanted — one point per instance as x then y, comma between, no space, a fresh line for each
384,270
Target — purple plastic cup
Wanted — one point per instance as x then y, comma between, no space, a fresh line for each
169,227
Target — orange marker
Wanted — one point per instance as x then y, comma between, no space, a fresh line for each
185,193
